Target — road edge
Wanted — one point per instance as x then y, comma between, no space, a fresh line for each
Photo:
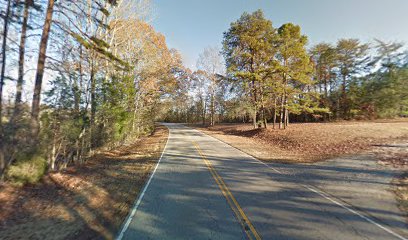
139,199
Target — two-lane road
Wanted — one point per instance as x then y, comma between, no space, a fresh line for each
206,189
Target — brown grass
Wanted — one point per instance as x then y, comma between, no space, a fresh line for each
86,202
309,142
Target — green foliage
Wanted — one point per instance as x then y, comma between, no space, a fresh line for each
383,94
352,57
60,95
296,69
28,168
238,109
347,89
295,63
248,45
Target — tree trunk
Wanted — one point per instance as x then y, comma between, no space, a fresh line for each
263,117
3,163
135,117
77,95
3,59
325,85
81,75
254,96
20,79
254,118
35,109
53,152
93,96
344,97
274,113
283,99
264,121
212,109
93,105
281,111
286,119
204,104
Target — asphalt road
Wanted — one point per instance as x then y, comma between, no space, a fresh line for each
206,189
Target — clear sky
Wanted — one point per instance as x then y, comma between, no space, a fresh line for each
192,25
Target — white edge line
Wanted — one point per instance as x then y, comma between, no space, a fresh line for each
317,192
139,199
355,212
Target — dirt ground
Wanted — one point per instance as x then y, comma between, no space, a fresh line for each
87,202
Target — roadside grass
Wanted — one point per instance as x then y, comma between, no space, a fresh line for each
86,202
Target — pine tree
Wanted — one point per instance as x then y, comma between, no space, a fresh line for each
324,58
295,69
352,58
248,48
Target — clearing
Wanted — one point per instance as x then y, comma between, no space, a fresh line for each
309,142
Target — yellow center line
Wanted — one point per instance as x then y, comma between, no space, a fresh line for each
246,224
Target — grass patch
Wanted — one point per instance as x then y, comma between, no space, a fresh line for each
27,169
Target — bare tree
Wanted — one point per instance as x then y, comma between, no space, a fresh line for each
22,46
210,61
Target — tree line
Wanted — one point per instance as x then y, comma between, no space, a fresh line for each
100,74
265,74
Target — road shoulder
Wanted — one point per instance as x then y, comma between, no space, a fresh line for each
85,202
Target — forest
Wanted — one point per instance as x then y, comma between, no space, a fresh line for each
78,76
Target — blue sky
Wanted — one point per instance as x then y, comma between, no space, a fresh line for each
192,25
